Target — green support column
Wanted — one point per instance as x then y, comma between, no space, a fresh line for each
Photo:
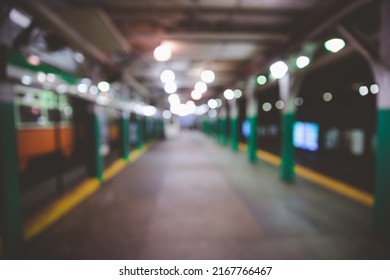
140,131
233,125
287,173
10,198
234,133
125,147
96,158
252,118
252,139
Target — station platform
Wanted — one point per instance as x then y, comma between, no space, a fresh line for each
192,198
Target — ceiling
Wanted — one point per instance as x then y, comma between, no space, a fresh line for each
231,37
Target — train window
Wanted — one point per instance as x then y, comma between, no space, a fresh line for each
54,115
29,114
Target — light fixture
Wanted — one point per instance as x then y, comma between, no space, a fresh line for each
33,60
278,69
212,103
334,45
237,93
207,76
327,96
103,86
302,61
196,95
170,88
19,18
363,90
167,114
162,53
261,80
149,110
228,94
374,88
173,99
201,87
167,76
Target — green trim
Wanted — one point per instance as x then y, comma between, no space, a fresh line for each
19,60
382,191
252,139
12,229
234,133
125,148
287,157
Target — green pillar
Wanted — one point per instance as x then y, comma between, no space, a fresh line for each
140,131
125,148
233,124
234,133
287,157
252,118
96,157
252,139
381,70
10,197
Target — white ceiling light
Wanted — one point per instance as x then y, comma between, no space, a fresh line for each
334,45
278,69
237,93
19,18
201,87
207,76
302,61
170,87
228,94
103,86
374,88
167,76
162,53
149,110
363,90
261,80
212,103
174,99
167,114
196,95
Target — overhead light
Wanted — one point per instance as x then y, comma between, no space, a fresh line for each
162,53
237,93
334,45
267,107
228,94
196,95
201,87
278,69
83,88
174,99
374,88
207,76
327,96
149,110
26,80
41,77
19,18
93,90
279,104
79,57
212,103
33,60
363,90
302,61
261,80
167,76
167,114
170,88
103,86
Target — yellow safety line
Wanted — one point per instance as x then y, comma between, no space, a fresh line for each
334,185
59,208
65,204
268,157
114,169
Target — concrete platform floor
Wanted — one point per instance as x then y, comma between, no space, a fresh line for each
190,198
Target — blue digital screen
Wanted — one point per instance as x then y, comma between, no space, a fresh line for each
305,136
246,128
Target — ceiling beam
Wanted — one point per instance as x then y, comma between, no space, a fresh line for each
210,37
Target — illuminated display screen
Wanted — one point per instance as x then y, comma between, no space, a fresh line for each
306,136
246,128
